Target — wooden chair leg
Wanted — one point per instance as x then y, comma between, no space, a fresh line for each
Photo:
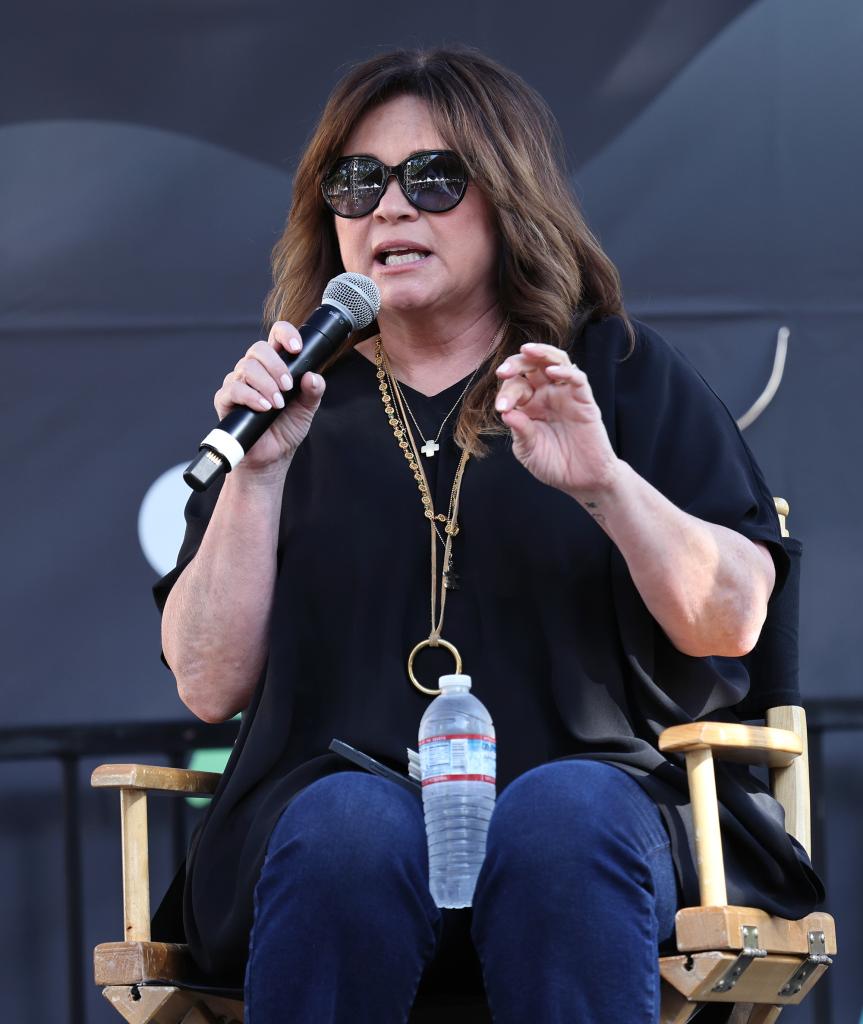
141,1006
199,1015
675,1008
754,1013
167,1004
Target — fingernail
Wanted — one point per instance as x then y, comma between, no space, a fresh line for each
504,365
501,404
294,345
278,401
263,403
318,380
286,382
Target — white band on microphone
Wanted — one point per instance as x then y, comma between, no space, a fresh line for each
228,447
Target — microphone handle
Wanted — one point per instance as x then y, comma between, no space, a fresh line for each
224,447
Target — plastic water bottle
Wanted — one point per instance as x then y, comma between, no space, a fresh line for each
458,763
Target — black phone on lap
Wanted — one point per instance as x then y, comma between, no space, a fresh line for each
357,757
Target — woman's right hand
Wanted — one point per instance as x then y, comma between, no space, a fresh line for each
257,382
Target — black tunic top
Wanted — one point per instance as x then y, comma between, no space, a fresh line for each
560,646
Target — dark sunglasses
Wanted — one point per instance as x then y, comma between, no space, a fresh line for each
434,180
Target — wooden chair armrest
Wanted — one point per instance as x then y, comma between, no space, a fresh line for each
147,776
750,744
133,781
781,745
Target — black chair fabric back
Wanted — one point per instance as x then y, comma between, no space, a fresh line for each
773,665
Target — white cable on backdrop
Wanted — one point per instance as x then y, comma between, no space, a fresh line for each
773,382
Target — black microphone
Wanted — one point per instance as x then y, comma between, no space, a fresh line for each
350,302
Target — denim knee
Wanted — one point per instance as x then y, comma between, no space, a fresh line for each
350,830
577,822
344,922
575,848
580,804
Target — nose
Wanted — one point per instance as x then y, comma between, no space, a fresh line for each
394,204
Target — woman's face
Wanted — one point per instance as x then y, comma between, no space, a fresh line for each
459,274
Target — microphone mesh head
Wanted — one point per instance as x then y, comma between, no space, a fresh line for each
357,295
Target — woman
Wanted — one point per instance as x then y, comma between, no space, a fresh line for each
603,550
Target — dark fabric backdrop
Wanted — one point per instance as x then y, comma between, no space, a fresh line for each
146,154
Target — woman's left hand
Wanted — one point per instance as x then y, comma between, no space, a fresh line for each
556,425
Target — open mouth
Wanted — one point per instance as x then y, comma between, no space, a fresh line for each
396,257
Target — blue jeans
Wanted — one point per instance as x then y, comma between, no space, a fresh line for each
576,892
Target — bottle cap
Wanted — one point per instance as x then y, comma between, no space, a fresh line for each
446,682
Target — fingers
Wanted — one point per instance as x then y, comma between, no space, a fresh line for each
260,378
577,379
524,429
236,392
312,386
532,366
263,367
285,336
530,357
257,370
512,393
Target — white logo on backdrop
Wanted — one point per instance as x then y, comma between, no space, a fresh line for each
160,519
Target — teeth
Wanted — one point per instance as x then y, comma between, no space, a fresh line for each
394,259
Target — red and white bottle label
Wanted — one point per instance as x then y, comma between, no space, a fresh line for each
458,757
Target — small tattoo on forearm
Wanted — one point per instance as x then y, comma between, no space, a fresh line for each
593,508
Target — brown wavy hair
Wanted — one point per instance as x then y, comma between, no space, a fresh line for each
553,276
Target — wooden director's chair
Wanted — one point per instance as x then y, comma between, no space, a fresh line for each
751,961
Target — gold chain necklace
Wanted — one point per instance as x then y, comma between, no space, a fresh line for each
395,411
430,446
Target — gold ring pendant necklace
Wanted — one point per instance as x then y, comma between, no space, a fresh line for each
397,410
